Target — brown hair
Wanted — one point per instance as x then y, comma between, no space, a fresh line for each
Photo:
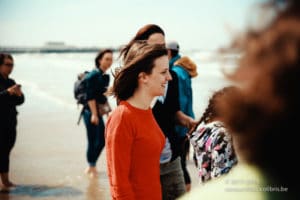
263,116
100,55
140,58
143,34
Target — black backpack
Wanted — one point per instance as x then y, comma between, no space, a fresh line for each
80,91
80,88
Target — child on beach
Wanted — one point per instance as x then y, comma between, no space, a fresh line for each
211,141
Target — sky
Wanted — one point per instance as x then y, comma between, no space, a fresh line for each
195,24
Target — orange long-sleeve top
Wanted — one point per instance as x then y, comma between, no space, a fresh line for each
134,142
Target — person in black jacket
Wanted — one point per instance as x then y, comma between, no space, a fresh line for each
167,113
96,84
10,96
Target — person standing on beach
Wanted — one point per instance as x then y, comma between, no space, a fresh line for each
167,113
134,140
185,70
96,84
10,96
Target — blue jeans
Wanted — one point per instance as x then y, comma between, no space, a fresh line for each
95,136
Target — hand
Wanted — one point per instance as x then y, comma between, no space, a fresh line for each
15,90
192,124
94,119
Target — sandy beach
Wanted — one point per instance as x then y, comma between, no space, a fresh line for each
48,159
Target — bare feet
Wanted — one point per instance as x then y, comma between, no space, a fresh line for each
5,187
91,171
9,184
6,183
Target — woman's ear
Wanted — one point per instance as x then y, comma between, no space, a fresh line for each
143,77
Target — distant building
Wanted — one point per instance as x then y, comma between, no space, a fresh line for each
55,44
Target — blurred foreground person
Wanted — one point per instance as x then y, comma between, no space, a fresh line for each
263,115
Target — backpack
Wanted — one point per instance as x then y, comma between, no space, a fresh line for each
80,88
80,92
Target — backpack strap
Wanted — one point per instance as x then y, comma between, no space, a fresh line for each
80,115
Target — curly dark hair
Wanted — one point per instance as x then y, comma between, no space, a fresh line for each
211,112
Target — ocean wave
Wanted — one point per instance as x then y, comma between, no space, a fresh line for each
34,89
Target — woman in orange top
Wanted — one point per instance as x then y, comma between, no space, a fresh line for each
134,140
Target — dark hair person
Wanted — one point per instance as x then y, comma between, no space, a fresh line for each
150,32
134,140
263,116
10,96
167,113
212,143
96,84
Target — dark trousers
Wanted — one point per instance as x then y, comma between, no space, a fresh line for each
95,137
7,141
184,150
171,179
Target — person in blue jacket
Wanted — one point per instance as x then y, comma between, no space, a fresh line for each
185,70
10,96
96,84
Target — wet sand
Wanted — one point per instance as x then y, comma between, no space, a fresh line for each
48,159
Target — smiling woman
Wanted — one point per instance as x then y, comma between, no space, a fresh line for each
133,138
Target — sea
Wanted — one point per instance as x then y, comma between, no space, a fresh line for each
49,157
51,76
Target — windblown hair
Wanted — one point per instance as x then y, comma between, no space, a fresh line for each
143,34
264,116
140,58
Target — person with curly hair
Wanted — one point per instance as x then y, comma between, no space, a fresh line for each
212,144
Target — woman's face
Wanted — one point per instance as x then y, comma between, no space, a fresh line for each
156,38
106,61
7,67
156,82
